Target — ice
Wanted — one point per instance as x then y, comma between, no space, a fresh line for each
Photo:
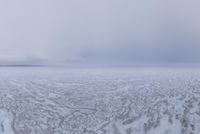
99,101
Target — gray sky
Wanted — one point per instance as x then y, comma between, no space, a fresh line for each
118,32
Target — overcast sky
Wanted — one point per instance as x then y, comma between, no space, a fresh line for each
99,31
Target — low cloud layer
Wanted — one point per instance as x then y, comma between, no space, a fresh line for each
102,32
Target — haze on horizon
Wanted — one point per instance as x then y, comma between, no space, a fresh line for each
106,32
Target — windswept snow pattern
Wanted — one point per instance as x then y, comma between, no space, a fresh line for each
112,101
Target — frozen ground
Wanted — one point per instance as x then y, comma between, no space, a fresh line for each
109,101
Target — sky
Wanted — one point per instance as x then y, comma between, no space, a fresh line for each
99,32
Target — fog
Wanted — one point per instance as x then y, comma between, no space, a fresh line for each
106,32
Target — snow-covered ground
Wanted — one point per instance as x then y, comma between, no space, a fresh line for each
99,101
5,122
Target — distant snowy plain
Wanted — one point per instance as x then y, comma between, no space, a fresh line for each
99,101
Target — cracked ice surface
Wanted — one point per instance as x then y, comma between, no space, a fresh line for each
92,101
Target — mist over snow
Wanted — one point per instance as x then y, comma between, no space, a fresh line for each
106,32
99,67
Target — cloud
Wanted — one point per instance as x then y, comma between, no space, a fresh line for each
100,32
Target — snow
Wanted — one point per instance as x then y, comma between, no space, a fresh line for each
99,101
5,122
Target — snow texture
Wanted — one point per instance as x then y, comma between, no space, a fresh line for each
106,101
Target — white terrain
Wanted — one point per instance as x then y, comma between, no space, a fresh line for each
92,101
